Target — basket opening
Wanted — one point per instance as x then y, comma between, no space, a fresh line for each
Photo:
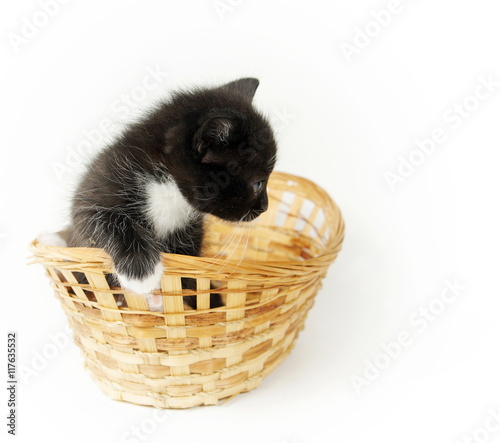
301,223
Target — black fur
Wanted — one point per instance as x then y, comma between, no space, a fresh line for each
216,147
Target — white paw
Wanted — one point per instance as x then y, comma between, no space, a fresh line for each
143,286
52,239
155,302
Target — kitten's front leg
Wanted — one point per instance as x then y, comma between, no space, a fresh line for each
134,251
139,269
146,281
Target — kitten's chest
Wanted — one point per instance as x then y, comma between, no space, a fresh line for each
166,208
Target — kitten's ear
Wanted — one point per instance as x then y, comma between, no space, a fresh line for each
244,86
211,140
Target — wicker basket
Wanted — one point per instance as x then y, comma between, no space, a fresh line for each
268,272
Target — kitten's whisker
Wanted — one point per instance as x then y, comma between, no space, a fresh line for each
256,235
234,249
240,238
203,199
244,250
227,242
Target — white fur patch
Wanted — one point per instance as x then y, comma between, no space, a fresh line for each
52,239
166,207
145,285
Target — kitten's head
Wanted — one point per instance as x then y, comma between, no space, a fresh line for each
221,151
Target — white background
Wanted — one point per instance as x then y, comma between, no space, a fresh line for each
344,122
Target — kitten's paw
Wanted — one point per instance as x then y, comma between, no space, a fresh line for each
51,239
143,285
155,302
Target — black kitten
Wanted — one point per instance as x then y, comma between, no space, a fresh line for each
204,151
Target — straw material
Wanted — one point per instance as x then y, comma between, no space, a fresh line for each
268,272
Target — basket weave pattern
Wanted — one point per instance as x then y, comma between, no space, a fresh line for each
267,271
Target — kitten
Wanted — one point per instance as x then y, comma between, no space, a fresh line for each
205,151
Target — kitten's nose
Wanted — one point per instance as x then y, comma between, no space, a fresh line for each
263,205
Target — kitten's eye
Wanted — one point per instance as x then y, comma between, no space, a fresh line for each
257,186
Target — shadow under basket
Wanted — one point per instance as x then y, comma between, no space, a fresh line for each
268,272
